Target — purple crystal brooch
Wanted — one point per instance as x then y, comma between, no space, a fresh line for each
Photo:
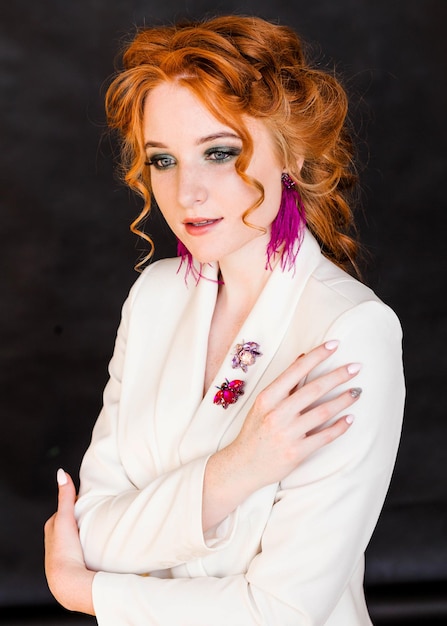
245,354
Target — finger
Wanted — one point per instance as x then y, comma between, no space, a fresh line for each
313,420
321,438
287,382
302,399
66,493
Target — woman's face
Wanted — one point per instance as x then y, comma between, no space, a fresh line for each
194,181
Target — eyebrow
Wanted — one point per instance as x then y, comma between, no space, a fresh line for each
200,141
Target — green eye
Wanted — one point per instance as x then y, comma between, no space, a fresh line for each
161,161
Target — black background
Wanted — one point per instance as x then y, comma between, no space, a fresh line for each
67,255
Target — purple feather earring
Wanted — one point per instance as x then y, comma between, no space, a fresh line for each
186,257
288,226
183,251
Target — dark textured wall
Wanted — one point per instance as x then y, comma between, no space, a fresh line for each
67,256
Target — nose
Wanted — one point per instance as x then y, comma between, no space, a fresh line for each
191,186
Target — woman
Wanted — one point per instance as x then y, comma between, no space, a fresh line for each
227,481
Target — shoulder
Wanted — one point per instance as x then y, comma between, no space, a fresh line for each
336,283
341,284
158,290
339,297
159,280
329,283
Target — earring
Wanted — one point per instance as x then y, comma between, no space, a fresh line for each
183,251
287,229
186,257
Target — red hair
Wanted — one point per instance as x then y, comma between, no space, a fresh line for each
241,66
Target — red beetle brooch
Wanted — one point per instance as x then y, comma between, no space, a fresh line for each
229,392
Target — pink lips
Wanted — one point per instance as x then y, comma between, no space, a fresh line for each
200,225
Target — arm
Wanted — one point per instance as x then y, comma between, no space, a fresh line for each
113,506
318,529
320,524
71,581
129,518
270,445
68,578
286,424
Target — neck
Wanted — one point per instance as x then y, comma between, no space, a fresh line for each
243,279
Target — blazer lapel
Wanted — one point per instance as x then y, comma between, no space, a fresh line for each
180,389
267,324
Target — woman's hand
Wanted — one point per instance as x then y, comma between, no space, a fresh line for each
68,578
286,424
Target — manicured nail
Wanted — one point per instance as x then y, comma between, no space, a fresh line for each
349,419
355,392
354,368
332,344
61,477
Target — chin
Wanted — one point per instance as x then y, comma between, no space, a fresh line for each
201,256
205,260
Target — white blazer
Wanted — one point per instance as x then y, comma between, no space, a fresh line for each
292,554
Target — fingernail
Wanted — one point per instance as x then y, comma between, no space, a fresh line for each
332,344
61,477
354,368
355,392
349,419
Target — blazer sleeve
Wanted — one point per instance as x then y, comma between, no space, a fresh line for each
322,519
125,528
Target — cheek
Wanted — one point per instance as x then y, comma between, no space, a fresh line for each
268,210
239,198
161,195
166,210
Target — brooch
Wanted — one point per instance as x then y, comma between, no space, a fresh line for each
245,354
229,392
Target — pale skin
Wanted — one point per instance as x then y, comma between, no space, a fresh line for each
200,194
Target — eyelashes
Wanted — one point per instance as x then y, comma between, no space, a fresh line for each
218,154
161,161
222,154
